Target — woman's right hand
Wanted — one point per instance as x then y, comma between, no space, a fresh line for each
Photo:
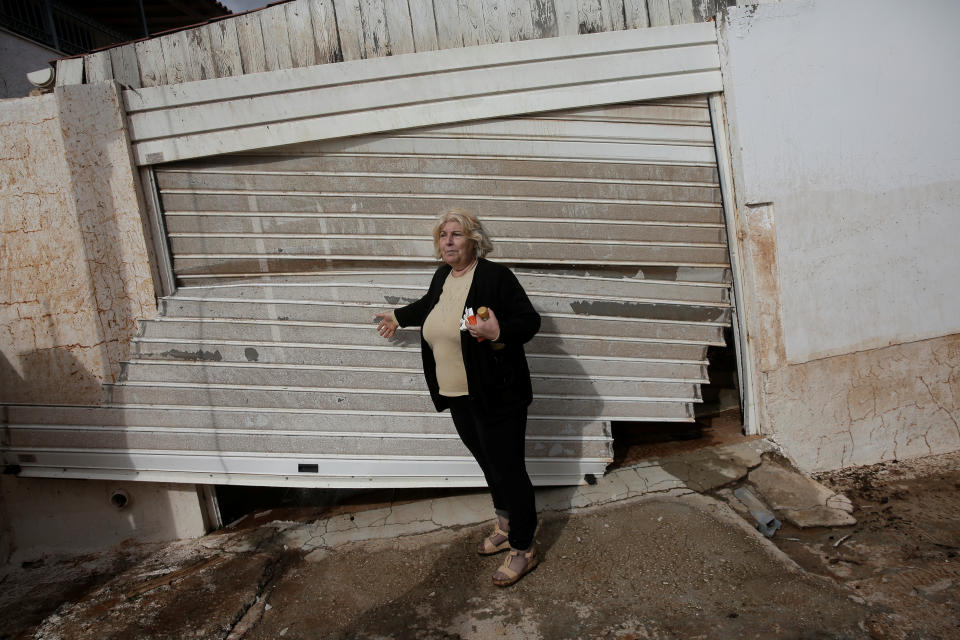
387,325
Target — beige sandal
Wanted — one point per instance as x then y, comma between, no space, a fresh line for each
513,575
489,545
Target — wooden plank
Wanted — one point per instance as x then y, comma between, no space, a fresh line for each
97,67
589,16
635,14
175,57
200,65
153,69
704,10
373,21
424,25
658,12
352,44
303,49
681,12
449,35
325,31
568,17
396,92
680,41
69,71
125,68
429,98
519,20
250,38
471,22
495,26
225,47
399,27
544,17
276,37
613,15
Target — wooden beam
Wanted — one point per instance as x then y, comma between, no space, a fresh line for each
353,98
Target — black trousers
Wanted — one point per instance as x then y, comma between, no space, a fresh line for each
496,440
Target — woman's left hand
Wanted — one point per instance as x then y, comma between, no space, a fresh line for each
488,329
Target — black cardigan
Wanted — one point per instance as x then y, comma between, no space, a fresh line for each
495,377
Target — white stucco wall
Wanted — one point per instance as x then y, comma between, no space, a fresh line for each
845,151
846,115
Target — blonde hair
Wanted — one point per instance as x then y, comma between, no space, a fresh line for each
472,229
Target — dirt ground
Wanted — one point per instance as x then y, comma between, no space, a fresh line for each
682,567
901,556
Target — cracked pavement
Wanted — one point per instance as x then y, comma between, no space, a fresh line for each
648,551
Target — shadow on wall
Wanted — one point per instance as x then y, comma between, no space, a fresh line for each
48,376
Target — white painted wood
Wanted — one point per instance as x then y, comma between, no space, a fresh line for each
325,31
659,12
447,13
303,49
678,39
276,37
97,67
373,21
626,68
424,24
175,57
378,94
200,64
613,14
153,69
635,12
396,93
125,68
471,22
568,17
681,12
590,16
225,47
519,20
69,71
349,27
250,38
399,27
496,28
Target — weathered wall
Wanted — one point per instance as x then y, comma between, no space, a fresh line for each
74,274
50,516
847,177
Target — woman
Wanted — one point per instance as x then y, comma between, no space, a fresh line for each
479,371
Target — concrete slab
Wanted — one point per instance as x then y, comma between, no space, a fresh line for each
653,567
801,500
708,469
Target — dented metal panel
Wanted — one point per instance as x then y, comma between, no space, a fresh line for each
266,362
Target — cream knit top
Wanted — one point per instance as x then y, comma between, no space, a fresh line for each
441,330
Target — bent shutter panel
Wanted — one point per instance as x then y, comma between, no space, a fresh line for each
266,360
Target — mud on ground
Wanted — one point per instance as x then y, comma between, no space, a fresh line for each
901,558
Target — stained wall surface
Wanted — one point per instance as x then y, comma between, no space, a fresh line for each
74,275
53,516
848,175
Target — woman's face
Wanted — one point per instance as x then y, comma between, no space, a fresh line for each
455,247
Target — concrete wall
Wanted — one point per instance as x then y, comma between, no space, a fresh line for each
74,273
48,516
18,57
847,172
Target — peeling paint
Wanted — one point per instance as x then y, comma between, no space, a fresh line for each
884,404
